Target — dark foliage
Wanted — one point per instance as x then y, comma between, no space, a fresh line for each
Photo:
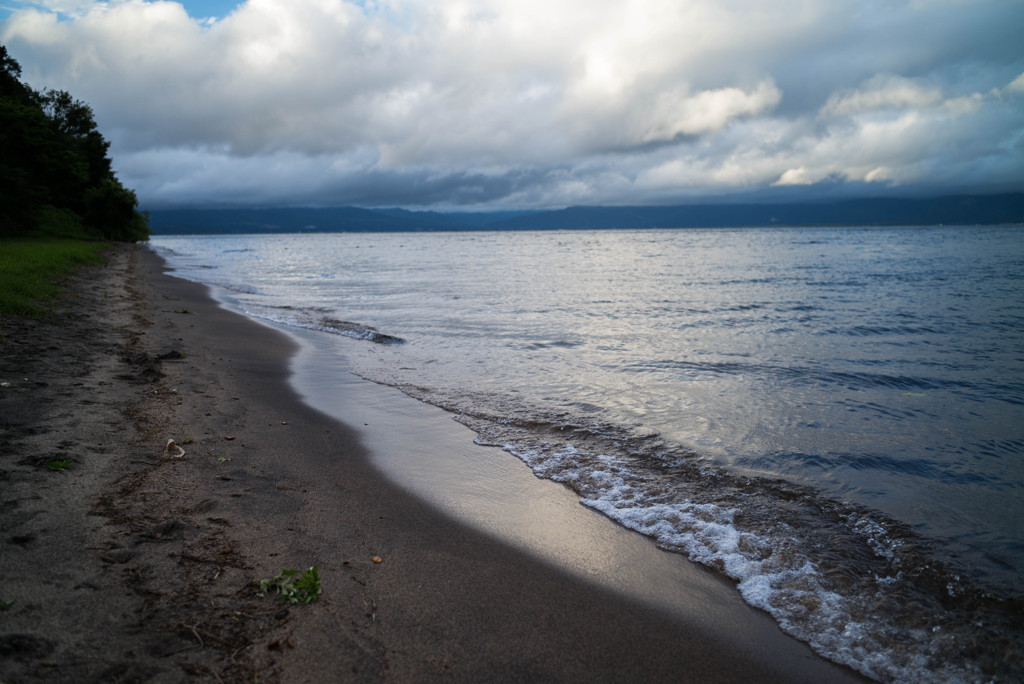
54,163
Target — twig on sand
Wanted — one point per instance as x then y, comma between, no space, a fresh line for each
195,630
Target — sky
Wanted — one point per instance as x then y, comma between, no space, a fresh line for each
528,104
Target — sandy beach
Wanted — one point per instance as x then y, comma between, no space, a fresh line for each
136,565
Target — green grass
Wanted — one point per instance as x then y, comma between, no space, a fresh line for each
31,271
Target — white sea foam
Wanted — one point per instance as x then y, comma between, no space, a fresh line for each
772,568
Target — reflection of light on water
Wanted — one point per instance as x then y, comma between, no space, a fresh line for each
745,345
439,462
828,361
483,486
504,499
749,346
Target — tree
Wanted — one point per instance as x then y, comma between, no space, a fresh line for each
110,209
52,156
10,77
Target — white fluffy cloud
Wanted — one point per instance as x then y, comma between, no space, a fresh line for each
514,103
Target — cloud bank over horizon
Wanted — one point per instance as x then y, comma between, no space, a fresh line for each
502,104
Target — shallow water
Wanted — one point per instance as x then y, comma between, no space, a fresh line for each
832,417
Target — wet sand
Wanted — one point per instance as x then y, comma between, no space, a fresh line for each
134,565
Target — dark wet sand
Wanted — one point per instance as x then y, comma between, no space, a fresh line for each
164,549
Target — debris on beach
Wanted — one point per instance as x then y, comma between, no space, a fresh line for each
172,450
294,586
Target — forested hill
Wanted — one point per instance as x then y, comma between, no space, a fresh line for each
55,175
961,209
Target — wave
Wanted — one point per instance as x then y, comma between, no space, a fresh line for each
859,587
1009,392
309,317
313,318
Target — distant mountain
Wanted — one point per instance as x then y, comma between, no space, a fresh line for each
283,220
963,209
967,209
473,220
316,220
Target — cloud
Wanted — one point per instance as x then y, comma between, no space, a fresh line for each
516,103
73,8
895,130
883,91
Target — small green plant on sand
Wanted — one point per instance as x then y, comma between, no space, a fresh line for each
61,465
293,585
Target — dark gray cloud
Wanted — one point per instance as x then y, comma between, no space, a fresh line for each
502,103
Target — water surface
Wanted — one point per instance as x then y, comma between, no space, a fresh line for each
834,418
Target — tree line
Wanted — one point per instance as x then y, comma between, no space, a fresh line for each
55,175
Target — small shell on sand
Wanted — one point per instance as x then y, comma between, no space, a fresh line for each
173,450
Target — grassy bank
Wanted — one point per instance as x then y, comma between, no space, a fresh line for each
31,271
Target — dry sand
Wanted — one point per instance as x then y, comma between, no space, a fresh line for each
133,565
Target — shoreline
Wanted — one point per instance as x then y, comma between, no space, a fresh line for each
436,459
268,483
